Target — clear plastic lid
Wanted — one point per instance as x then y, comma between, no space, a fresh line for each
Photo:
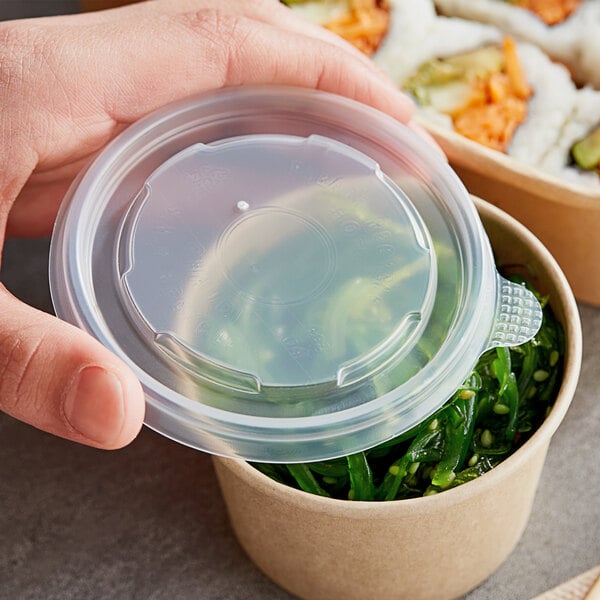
293,276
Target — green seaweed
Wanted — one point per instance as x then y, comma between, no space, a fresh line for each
496,410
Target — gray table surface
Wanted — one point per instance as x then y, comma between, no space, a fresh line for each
148,521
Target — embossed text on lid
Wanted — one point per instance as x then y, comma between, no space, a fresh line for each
275,262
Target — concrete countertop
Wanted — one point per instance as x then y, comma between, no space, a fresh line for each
148,521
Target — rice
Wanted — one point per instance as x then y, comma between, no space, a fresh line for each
584,117
408,42
552,103
417,35
557,113
575,42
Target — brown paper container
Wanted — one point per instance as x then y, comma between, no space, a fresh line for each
436,548
565,216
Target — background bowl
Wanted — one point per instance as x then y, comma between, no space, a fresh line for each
563,215
438,547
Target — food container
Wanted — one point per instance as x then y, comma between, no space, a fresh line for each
292,275
563,215
437,547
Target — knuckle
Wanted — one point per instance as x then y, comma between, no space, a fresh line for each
21,46
212,24
29,58
224,36
20,372
12,43
12,355
14,36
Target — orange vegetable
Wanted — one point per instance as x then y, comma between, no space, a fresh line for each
498,87
477,97
551,12
493,117
492,125
514,71
364,24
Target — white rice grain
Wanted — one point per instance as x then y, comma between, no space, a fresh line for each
408,41
575,42
417,35
549,108
584,117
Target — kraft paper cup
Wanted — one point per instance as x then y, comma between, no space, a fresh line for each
563,215
438,547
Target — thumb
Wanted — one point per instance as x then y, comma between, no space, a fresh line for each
59,379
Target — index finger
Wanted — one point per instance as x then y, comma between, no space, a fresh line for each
173,56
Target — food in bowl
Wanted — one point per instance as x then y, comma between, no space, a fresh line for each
586,152
491,415
427,548
263,241
567,30
473,79
363,23
550,12
483,91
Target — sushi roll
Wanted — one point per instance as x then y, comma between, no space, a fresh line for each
549,108
417,35
470,77
567,30
363,23
575,156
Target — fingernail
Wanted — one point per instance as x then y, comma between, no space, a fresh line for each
94,405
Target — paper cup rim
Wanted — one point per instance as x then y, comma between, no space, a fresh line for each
572,366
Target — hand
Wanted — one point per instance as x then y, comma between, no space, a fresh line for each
70,84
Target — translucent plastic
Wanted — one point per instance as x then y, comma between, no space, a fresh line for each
292,276
278,270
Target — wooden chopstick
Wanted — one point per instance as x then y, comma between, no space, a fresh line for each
594,591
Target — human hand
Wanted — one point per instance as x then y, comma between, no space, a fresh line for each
70,84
